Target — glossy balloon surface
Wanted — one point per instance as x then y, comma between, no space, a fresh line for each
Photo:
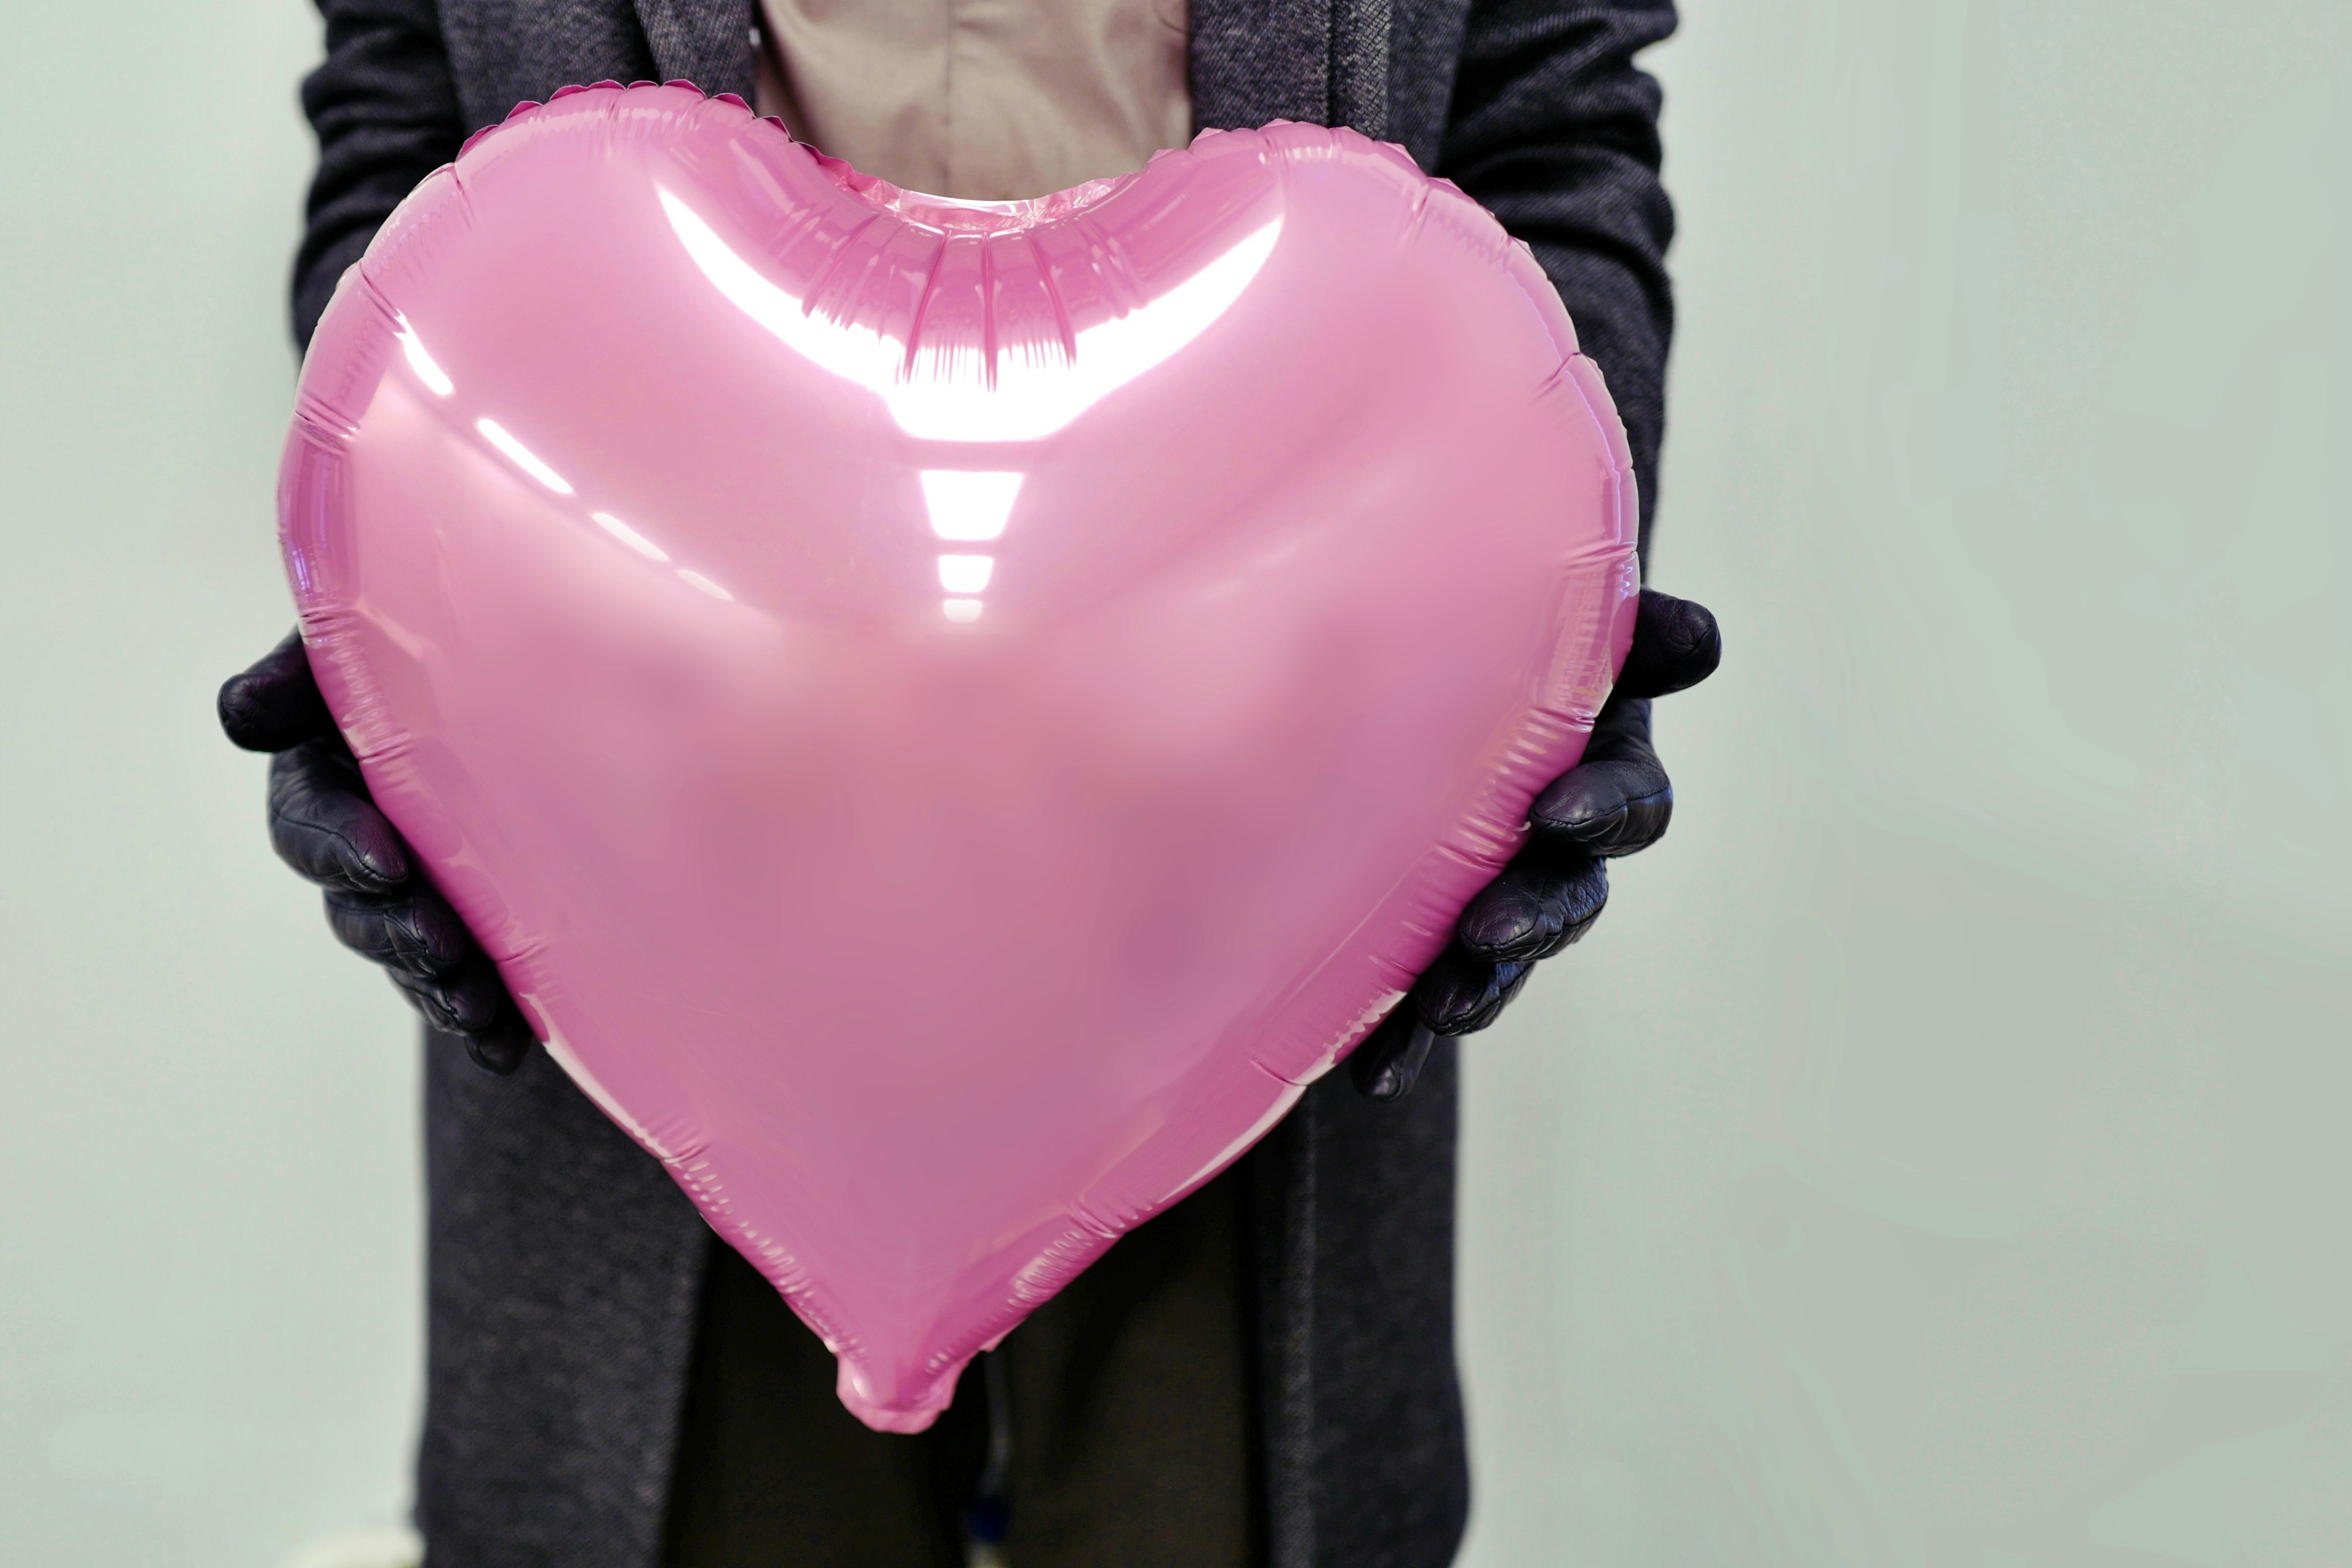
949,715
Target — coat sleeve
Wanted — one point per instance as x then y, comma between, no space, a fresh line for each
384,106
1554,129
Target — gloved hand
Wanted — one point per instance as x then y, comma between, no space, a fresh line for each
1615,801
322,824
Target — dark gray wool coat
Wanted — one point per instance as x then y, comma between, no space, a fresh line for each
564,1266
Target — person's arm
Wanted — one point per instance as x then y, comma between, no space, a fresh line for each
384,106
1556,132
386,116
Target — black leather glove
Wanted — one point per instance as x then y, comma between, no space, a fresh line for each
1615,801
322,824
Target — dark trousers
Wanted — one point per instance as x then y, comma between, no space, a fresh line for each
1125,1425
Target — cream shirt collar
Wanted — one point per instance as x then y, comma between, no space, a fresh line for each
979,99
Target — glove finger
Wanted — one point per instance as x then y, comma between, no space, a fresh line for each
501,1047
1463,993
275,705
1604,808
1388,1063
1618,800
471,1002
1676,645
414,930
1538,905
322,823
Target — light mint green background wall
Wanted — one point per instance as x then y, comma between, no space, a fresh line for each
208,1194
1937,1155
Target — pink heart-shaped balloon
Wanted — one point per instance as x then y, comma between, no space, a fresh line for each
946,714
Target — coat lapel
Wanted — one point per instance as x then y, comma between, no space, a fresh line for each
1360,65
1423,44
1384,66
706,42
1256,60
503,52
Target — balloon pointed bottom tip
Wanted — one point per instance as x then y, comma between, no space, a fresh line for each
902,1415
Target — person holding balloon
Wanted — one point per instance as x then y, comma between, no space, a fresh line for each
1263,1374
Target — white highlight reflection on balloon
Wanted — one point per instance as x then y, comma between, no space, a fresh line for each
965,573
1030,397
969,504
629,536
428,370
696,580
522,456
960,609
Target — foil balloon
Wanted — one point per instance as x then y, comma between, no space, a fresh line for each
949,715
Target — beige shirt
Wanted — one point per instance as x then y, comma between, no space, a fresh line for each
982,99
